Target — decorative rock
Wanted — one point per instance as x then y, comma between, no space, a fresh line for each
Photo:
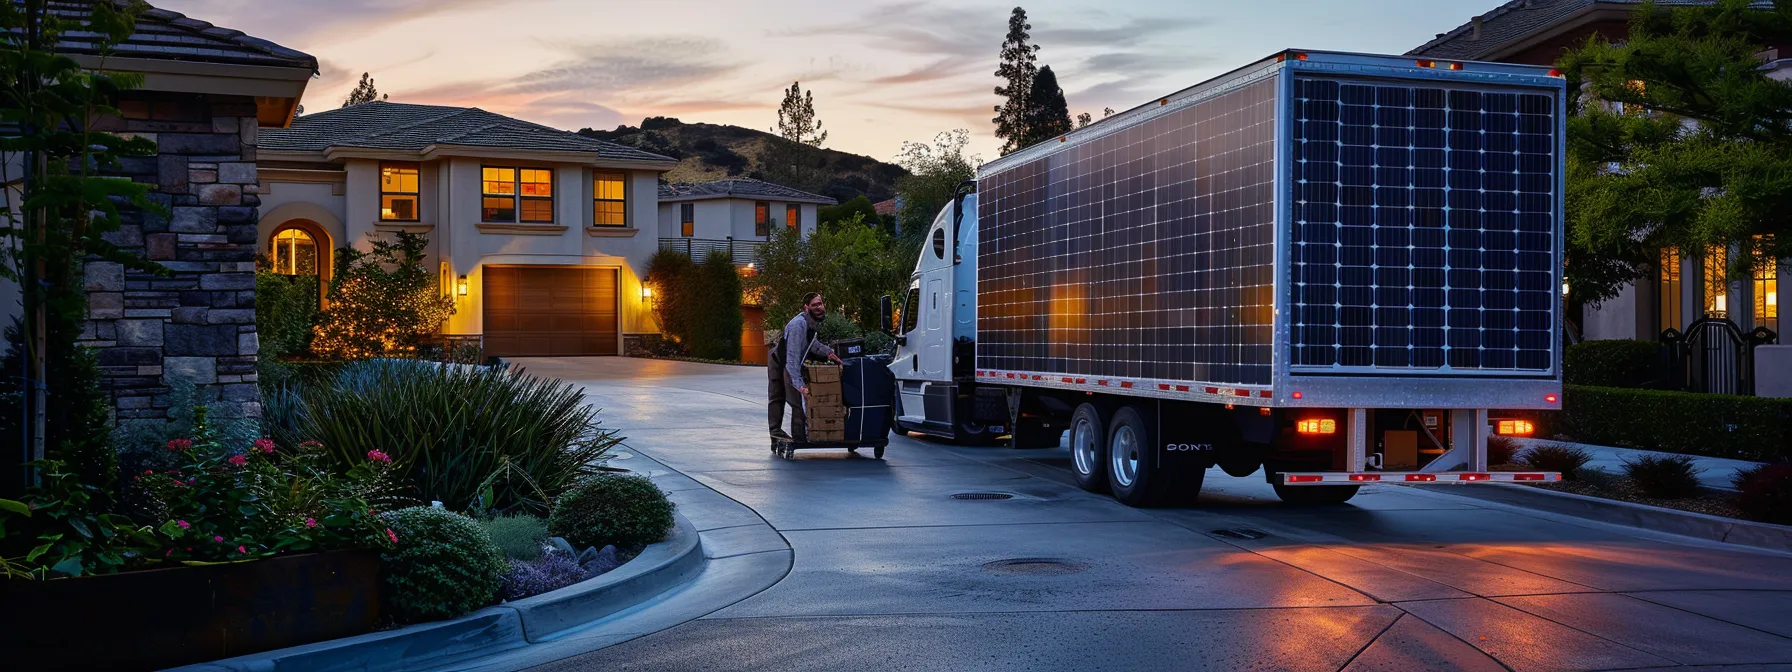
202,176
195,370
105,305
226,281
171,172
220,194
159,246
194,220
600,562
104,276
189,314
230,316
139,332
248,344
236,214
559,545
197,143
237,173
193,339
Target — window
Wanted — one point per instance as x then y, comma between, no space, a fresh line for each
911,310
687,216
294,253
1767,287
508,192
793,216
762,219
1717,281
398,192
608,201
1668,290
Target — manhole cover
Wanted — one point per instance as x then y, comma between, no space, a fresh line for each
1240,533
982,495
1046,566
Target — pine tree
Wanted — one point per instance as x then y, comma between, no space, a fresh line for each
364,92
1048,116
1018,68
796,118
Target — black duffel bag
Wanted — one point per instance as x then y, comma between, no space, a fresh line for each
869,390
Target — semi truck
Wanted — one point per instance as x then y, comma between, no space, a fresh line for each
1337,269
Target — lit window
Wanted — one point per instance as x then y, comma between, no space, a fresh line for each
507,193
498,203
535,189
1767,286
762,219
294,253
398,192
608,200
1717,281
1668,290
688,219
793,217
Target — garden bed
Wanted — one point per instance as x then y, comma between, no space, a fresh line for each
1707,501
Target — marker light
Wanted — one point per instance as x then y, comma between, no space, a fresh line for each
1296,395
1293,478
1550,398
1326,426
1421,477
1427,64
1455,66
1555,73
1514,428
1361,478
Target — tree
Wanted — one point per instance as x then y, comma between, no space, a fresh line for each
1084,119
935,171
671,274
363,93
852,265
716,322
382,301
796,118
1640,178
1017,69
52,223
1048,116
858,205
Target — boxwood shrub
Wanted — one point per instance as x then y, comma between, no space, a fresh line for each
1715,425
624,510
1620,363
441,565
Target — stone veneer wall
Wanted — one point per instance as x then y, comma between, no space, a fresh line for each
198,323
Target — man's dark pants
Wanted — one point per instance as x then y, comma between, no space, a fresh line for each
781,392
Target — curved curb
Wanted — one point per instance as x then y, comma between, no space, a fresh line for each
429,646
1685,523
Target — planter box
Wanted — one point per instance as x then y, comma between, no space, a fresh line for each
169,617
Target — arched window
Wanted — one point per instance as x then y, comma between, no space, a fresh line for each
294,252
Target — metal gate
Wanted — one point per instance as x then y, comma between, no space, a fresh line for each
1715,356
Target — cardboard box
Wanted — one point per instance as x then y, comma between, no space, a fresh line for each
827,424
820,399
821,373
830,435
830,412
826,390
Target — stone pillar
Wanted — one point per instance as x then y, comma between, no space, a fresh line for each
198,323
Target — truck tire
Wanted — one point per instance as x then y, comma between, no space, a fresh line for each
1089,449
1134,476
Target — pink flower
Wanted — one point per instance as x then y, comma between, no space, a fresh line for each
149,472
169,553
264,446
310,522
218,539
183,524
180,445
378,456
391,535
240,549
238,460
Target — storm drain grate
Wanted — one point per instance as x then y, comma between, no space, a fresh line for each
1045,566
1240,533
981,495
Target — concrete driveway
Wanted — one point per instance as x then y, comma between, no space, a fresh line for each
889,571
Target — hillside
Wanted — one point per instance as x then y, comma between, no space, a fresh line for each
712,152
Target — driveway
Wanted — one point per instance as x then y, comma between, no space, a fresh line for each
890,571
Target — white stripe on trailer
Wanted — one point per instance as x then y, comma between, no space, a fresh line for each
1362,477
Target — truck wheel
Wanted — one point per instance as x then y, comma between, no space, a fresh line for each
1133,472
973,433
1088,449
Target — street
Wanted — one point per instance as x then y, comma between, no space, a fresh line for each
890,571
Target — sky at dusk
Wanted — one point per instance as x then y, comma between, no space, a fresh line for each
882,72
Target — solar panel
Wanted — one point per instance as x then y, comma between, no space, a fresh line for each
1423,228
1145,253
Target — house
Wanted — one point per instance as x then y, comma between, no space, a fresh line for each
207,94
541,235
734,215
1688,284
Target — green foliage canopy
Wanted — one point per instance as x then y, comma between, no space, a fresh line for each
382,301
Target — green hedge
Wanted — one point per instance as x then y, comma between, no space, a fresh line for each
1715,425
1632,364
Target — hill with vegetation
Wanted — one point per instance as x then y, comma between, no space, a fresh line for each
716,151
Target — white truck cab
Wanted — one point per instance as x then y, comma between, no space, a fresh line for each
937,325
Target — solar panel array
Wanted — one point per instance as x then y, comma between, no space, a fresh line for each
1147,253
1423,228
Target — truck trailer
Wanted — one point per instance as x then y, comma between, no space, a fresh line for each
1329,267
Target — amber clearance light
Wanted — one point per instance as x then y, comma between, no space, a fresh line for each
1317,426
1514,428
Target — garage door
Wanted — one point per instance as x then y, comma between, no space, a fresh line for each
550,310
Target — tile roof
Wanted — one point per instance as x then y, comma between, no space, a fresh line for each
738,188
172,36
403,126
1516,20
885,207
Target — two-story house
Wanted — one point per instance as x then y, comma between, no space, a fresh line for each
733,215
540,235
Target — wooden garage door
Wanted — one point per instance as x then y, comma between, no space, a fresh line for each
550,310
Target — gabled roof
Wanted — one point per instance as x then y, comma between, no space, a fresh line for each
171,36
382,125
739,188
885,207
1519,19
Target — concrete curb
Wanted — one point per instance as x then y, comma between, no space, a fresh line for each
428,646
1671,521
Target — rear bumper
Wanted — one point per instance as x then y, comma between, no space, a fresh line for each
1365,477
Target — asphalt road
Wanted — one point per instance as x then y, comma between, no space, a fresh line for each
891,572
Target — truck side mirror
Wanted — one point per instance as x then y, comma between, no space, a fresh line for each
886,314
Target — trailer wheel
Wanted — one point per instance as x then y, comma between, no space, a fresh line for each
1088,449
1134,475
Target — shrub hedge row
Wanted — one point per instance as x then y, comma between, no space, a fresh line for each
1616,363
1714,425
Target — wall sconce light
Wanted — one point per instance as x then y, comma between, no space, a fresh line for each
460,286
646,292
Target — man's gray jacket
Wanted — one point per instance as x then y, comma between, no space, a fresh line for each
802,333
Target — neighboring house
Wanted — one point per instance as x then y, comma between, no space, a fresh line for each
540,234
733,215
885,208
1688,284
207,93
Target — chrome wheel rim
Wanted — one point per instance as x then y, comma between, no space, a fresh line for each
1082,447
1125,449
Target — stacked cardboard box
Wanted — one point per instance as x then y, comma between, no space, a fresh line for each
824,407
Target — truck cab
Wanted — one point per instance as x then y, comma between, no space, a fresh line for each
936,333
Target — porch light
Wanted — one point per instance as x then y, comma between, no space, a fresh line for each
646,292
460,285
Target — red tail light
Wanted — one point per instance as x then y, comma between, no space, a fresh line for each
1363,478
1303,479
1527,477
1475,477
1421,477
